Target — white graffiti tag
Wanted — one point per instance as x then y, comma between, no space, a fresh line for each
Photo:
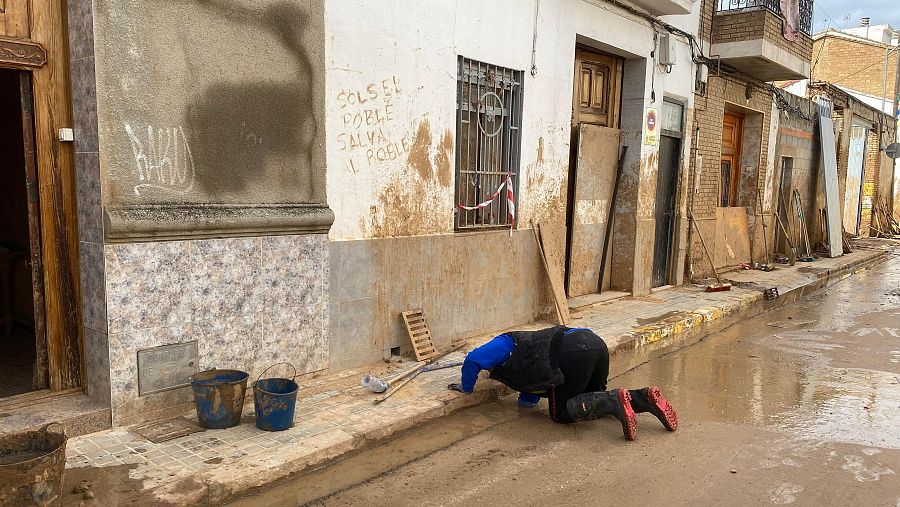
163,160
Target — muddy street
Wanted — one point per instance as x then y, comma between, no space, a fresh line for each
797,406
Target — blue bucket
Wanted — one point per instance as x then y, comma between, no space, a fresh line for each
219,397
274,400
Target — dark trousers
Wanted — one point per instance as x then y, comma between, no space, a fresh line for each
584,361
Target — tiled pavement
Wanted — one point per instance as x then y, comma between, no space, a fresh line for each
335,415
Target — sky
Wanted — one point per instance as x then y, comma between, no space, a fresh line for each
846,14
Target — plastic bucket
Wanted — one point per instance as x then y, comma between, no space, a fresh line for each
274,400
32,466
219,397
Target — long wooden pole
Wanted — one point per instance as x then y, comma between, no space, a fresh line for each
609,218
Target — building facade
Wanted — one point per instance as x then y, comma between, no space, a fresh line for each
863,64
432,107
249,183
734,171
233,184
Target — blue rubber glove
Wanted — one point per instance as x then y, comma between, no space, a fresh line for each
528,400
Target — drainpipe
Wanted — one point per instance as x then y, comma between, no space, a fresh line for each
537,8
887,52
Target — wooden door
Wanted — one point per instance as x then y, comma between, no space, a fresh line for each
731,159
33,38
41,366
596,100
14,16
598,87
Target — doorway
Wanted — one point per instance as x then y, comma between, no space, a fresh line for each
732,133
672,130
785,223
593,161
24,357
853,194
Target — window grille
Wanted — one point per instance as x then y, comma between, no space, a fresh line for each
488,142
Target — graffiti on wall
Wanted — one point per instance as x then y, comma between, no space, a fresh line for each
367,115
162,159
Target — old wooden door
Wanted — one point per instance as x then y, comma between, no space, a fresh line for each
598,84
731,157
41,366
33,39
592,167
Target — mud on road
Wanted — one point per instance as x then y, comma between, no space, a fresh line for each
798,406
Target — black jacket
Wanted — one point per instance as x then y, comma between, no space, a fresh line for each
532,366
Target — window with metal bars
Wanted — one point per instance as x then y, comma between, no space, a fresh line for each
488,143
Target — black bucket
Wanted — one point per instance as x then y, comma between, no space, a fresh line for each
32,466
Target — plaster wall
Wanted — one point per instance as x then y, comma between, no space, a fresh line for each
202,191
211,117
390,148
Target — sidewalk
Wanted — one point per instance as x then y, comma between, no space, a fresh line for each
335,416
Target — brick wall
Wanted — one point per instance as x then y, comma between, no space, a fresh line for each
748,25
798,138
853,64
709,112
870,184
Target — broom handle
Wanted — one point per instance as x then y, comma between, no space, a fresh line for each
708,257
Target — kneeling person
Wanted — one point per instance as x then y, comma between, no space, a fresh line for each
569,367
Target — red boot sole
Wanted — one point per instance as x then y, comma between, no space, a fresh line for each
630,418
660,402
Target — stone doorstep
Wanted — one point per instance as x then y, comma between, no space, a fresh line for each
422,402
77,413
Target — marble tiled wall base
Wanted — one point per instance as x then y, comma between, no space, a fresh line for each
467,284
248,302
88,196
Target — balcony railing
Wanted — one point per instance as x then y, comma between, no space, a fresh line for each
805,8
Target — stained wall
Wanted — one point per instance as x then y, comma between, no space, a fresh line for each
390,144
208,209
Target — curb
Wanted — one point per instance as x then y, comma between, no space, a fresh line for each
633,349
653,340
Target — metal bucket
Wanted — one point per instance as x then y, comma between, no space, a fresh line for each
32,466
274,400
219,397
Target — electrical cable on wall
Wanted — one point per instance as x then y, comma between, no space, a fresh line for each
537,9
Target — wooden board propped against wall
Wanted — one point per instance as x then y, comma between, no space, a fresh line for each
732,240
555,277
829,172
595,176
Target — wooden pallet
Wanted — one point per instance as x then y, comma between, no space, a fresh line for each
419,334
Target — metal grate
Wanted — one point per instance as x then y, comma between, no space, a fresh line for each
805,8
488,141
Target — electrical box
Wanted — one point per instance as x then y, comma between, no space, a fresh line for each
66,135
666,49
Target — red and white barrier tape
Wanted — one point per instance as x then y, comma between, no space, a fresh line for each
510,200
